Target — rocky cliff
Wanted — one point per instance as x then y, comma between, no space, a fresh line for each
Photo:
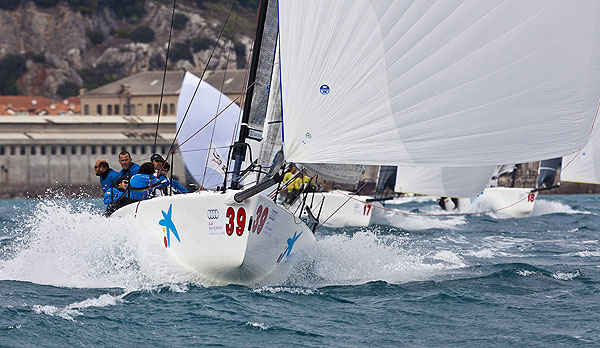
53,50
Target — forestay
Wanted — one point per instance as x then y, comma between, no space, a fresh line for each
452,83
584,166
444,181
207,103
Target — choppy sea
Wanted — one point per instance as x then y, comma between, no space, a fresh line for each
69,277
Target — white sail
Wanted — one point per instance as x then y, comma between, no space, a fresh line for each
444,181
207,102
449,83
584,166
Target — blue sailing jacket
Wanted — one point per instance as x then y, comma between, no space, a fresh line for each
142,186
177,187
112,195
109,179
133,170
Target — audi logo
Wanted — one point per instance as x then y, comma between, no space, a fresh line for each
212,214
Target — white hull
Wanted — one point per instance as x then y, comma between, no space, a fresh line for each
220,241
517,202
351,212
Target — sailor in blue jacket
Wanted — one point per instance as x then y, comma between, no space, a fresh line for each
108,177
130,168
162,175
143,184
115,193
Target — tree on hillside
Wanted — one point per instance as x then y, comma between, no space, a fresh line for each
11,68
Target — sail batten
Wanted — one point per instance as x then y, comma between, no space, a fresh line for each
443,83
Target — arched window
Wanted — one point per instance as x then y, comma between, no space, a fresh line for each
109,109
99,109
149,109
172,109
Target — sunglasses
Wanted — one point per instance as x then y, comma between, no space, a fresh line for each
96,167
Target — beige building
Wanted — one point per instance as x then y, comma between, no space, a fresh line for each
41,152
139,95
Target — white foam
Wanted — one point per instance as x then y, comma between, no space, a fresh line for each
364,257
73,310
418,222
566,275
525,273
258,325
544,207
69,243
291,290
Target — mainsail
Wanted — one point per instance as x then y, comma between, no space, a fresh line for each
208,102
451,83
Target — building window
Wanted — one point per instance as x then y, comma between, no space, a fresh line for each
156,109
109,109
83,150
134,150
149,109
165,109
63,150
172,107
22,150
73,150
1,150
132,111
53,150
86,109
113,150
143,150
116,109
99,109
103,150
43,150
93,150
12,150
163,149
33,150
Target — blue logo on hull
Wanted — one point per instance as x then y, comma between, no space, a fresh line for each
169,226
324,89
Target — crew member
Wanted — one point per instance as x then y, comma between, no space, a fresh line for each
130,168
113,194
108,177
143,184
157,160
174,184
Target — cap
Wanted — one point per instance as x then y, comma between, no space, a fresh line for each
157,158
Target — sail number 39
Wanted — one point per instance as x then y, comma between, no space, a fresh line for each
240,218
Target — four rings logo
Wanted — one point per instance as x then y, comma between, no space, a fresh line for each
212,214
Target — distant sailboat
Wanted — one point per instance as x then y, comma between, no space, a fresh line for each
400,83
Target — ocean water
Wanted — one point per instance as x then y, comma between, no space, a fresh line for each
69,277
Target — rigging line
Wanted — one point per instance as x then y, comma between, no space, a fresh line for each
162,89
201,78
340,207
212,135
171,152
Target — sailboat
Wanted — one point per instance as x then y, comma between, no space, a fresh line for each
421,83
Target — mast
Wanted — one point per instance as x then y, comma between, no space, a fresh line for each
239,149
